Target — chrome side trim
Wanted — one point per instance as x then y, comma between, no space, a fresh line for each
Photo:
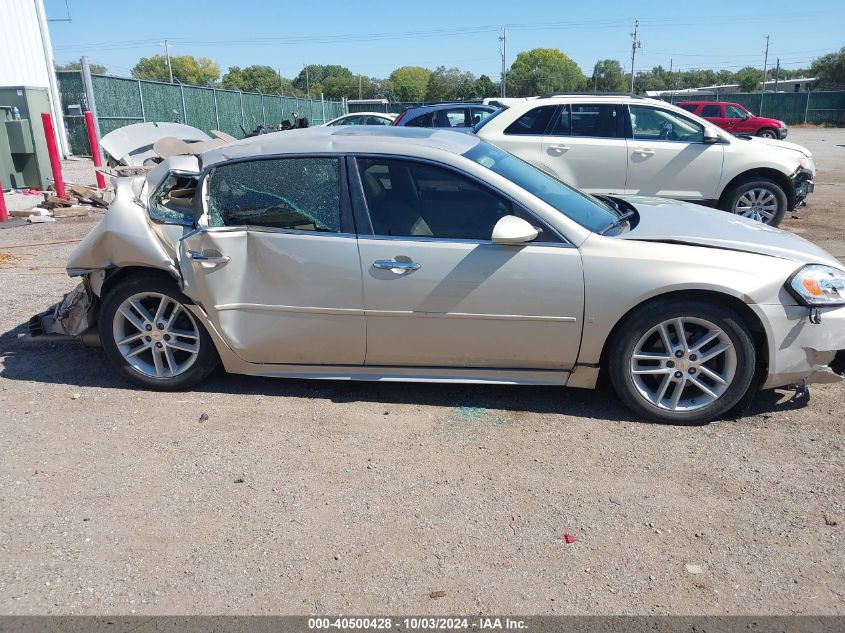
280,308
471,315
452,240
392,313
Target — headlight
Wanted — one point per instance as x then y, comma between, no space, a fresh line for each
818,285
781,124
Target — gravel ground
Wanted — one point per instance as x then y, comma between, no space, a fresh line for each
311,497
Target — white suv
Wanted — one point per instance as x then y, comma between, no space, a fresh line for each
627,145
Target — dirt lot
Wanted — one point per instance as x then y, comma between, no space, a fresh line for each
313,497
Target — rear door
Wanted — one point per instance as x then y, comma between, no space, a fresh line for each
713,113
439,293
275,261
585,147
667,156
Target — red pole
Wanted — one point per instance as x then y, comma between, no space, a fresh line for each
95,147
4,215
55,164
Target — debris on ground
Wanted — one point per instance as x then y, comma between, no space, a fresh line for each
694,569
239,480
569,538
7,258
828,520
203,416
434,595
76,396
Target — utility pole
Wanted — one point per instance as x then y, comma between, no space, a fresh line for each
307,83
167,55
671,83
279,72
765,64
777,73
503,51
635,44
360,87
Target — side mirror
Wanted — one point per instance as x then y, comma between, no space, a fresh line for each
711,135
513,230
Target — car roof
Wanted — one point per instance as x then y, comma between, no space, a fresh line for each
343,139
457,104
383,114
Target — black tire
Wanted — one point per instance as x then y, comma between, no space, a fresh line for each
767,132
730,198
638,324
206,360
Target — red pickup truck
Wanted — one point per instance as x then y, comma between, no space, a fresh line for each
736,119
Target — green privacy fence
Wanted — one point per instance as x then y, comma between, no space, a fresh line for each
820,108
121,101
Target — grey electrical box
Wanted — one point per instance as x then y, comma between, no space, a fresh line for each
24,160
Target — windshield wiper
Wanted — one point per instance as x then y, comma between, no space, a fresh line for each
622,219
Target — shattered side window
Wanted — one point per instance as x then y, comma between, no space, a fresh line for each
282,193
174,200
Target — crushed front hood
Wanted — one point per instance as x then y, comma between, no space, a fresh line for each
663,220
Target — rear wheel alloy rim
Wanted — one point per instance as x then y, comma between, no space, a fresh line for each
758,204
156,335
683,364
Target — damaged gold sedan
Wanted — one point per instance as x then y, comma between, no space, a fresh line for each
425,255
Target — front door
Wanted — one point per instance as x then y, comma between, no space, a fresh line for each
585,147
439,293
275,262
667,156
739,120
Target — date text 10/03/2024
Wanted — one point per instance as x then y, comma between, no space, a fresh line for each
422,623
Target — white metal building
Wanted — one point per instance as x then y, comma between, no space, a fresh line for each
26,55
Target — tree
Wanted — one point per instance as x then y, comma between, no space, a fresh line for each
316,74
410,83
544,70
96,69
256,79
829,70
608,76
486,87
198,71
450,84
348,87
749,79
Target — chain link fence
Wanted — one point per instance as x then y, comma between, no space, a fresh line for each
121,101
821,107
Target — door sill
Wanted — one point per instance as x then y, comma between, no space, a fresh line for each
471,375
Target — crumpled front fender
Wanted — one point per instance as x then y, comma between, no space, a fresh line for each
122,238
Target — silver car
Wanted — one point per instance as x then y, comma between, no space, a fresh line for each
427,255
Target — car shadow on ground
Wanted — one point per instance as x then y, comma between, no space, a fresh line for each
73,364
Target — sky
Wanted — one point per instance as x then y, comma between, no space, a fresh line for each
373,37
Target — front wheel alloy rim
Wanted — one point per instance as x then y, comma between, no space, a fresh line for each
767,135
683,364
156,335
758,204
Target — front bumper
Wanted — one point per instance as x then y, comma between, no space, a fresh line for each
72,318
782,132
802,181
801,351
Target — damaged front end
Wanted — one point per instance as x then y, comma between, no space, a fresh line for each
74,317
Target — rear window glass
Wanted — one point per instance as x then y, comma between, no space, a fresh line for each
533,122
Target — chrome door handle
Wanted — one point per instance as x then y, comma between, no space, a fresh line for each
400,268
208,259
557,149
644,152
